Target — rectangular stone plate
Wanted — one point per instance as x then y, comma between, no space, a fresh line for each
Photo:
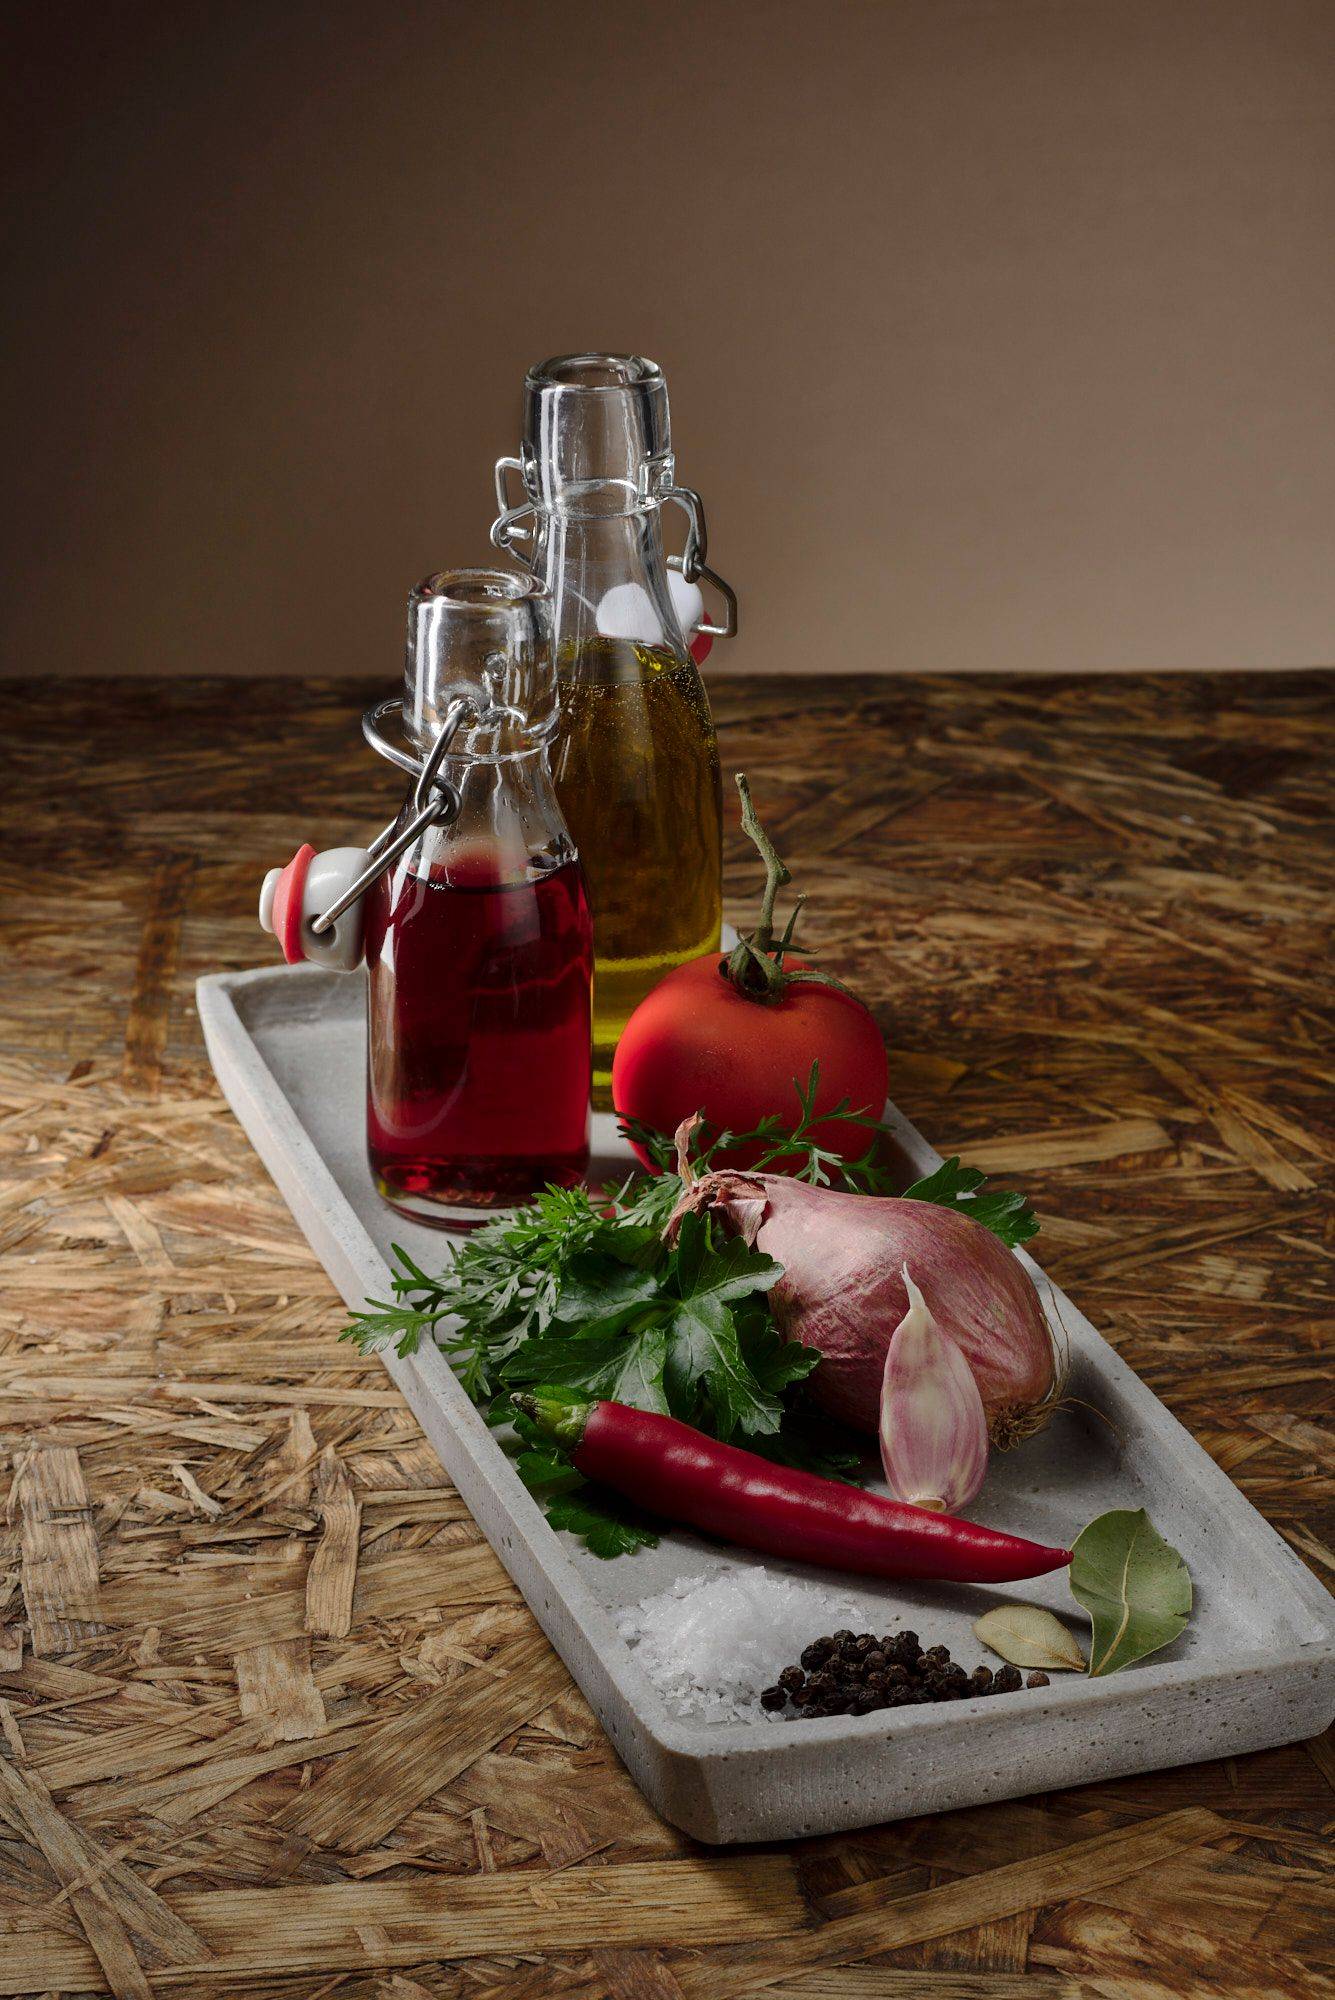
1256,1666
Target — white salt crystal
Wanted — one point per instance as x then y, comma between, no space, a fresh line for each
710,1644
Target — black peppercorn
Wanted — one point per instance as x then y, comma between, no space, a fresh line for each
854,1673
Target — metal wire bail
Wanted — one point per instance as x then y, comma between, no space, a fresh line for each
505,531
435,801
692,564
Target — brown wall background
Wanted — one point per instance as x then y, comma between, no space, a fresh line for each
999,332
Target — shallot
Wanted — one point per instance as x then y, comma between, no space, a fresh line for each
843,1291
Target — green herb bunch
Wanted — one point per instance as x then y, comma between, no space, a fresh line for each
580,1291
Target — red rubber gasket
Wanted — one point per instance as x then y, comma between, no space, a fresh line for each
288,900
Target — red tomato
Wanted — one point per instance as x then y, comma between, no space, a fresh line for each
697,1044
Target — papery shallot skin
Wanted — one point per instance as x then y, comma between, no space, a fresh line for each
843,1290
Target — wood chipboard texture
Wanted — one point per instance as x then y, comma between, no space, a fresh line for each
274,1720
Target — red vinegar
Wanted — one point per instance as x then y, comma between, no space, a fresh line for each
479,1034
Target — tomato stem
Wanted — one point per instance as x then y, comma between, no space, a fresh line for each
755,964
777,875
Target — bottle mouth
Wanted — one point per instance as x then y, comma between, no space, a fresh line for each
593,420
596,373
483,636
483,590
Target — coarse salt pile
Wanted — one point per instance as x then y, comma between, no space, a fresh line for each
710,1644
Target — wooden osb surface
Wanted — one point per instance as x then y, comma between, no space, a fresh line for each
274,1721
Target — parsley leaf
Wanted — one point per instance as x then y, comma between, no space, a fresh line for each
1007,1215
704,1342
600,1294
604,1524
550,1469
776,1363
611,1367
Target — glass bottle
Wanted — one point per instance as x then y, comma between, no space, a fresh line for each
635,759
478,940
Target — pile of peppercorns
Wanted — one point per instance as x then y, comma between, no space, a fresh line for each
853,1673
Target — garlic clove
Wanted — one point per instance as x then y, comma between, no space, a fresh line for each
933,1426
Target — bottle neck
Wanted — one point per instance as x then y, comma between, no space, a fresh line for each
607,572
508,817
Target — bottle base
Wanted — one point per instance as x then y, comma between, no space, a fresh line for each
461,1195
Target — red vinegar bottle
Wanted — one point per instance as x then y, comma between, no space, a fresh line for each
478,939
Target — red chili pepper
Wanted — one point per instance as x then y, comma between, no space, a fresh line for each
681,1474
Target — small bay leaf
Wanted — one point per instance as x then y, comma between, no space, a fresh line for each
1134,1585
1028,1636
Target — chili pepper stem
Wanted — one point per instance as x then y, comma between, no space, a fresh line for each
558,1417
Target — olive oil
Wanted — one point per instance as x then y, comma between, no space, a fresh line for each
637,776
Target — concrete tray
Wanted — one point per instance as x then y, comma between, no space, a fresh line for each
1256,1666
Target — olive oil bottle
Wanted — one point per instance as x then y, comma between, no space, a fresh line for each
635,760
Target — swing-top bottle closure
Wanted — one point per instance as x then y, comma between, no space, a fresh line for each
508,709
598,441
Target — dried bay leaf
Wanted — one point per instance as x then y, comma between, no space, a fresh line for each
1028,1636
1134,1585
